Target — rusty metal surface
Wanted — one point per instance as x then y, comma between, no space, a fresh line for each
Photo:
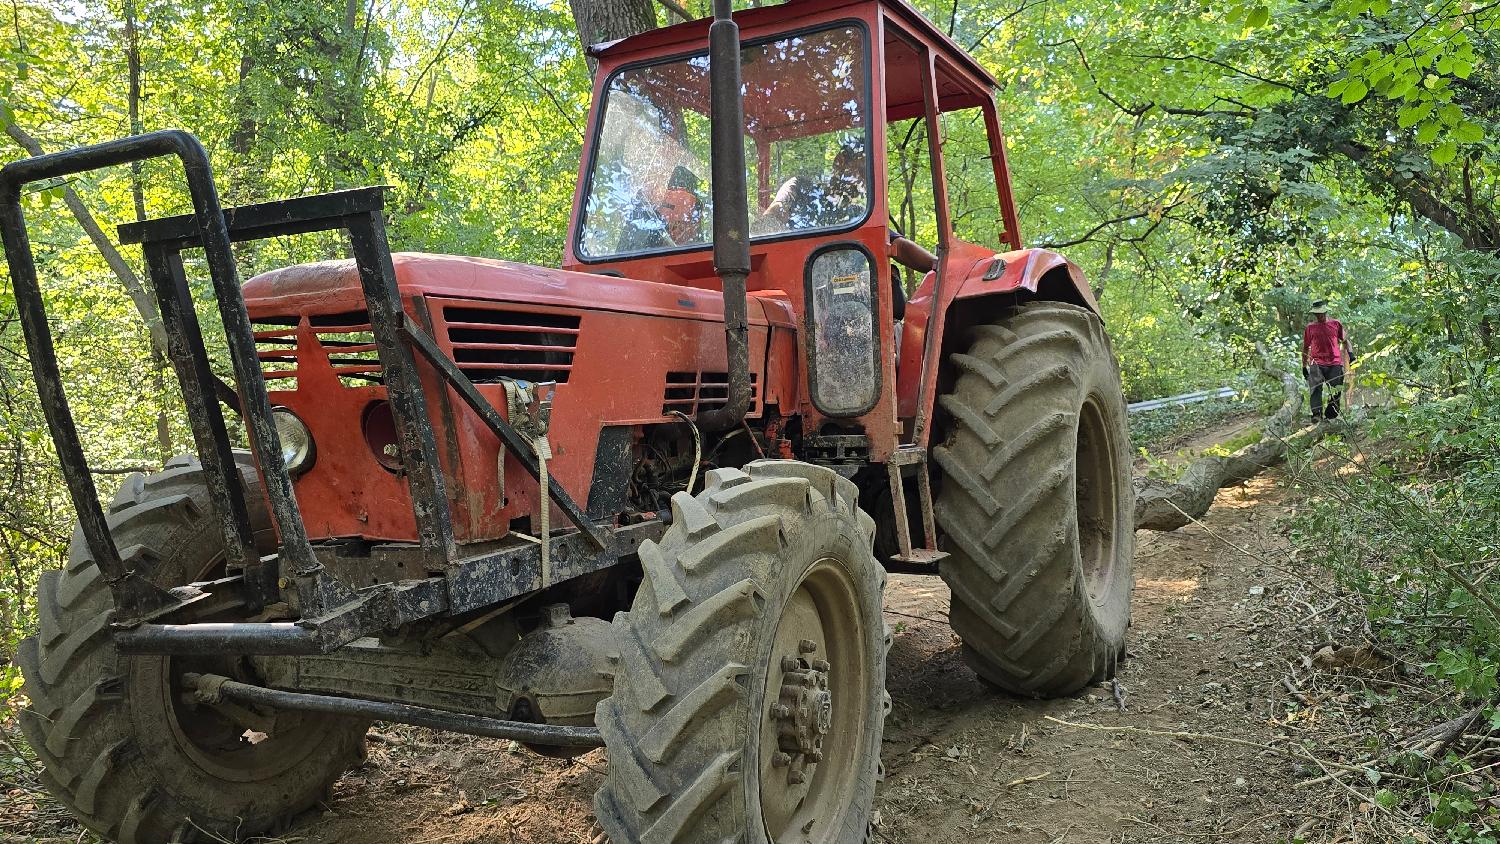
519,448
210,689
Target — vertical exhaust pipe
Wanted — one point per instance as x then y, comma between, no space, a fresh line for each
731,211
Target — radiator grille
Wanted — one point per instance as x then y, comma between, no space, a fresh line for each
345,338
691,392
276,348
494,343
350,346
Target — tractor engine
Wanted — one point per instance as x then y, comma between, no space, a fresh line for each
617,357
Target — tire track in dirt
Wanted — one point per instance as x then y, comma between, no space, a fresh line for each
1210,642
964,763
968,765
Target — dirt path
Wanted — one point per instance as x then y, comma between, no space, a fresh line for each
965,764
1218,622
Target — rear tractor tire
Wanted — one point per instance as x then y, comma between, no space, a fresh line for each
749,697
121,747
1037,503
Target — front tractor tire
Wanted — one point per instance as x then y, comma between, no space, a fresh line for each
120,745
1036,502
749,697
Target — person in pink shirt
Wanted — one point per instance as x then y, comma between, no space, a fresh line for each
1325,350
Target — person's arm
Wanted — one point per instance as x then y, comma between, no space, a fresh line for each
1305,338
1344,341
908,253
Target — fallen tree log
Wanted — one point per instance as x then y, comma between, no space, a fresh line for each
1168,505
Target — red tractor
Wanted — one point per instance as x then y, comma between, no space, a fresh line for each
646,501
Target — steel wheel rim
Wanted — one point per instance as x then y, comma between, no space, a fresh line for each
1097,500
215,743
824,610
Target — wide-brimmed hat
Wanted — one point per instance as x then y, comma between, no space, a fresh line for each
1320,306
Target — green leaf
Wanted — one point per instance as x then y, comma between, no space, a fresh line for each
1413,114
1386,799
1428,132
1355,92
1259,17
1468,133
1462,69
1450,114
1380,8
1445,153
1337,87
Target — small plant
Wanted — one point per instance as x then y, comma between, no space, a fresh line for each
1415,534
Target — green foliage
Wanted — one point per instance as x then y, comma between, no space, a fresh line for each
1415,55
1414,532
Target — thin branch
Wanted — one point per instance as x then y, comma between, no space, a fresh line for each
1125,218
1219,64
677,9
1149,106
1254,745
439,53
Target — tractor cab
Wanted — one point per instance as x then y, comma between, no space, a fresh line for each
833,95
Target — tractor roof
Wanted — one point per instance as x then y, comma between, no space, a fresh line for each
693,35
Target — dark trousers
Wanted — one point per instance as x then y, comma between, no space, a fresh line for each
1331,376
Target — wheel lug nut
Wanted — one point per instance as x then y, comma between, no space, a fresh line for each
781,760
791,663
807,646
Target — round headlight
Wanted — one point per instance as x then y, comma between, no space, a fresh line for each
296,441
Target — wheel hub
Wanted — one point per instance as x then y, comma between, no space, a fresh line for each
803,714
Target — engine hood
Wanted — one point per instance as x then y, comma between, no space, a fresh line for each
329,286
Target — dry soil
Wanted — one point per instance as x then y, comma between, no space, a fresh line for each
1209,650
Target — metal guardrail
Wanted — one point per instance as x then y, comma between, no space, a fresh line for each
1185,398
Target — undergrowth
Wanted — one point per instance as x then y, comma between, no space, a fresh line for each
1153,430
1410,528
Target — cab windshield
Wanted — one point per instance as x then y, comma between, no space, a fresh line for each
806,147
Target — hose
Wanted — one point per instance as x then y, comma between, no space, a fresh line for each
697,448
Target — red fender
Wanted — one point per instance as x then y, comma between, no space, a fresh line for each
972,273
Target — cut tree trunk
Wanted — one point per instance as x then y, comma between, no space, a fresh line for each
1169,505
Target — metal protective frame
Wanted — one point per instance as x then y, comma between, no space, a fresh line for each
331,612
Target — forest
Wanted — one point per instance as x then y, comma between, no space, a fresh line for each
1214,168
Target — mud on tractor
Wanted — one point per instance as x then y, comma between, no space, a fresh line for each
646,501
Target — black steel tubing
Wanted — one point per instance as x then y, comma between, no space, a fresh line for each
414,437
421,716
731,211
211,226
189,358
277,638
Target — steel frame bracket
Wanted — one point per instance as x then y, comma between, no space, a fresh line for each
928,555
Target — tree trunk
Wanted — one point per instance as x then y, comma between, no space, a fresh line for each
1163,505
602,21
138,196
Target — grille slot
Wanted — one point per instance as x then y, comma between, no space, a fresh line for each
350,346
494,343
276,349
691,392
